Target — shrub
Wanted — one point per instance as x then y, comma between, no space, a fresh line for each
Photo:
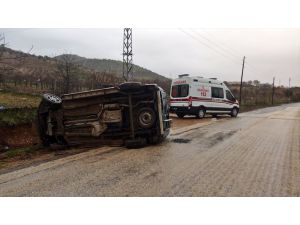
17,116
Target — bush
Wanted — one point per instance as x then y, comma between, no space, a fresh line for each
17,116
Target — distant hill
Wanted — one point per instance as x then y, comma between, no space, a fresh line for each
114,67
41,73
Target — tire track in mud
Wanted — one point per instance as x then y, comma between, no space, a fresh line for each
209,170
259,167
229,177
234,159
214,160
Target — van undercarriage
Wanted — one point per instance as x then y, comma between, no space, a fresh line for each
131,114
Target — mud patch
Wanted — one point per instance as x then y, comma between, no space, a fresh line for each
151,175
132,170
216,138
181,140
219,137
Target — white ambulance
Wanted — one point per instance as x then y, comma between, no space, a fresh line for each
199,96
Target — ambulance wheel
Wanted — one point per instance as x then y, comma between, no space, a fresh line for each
180,115
234,112
201,113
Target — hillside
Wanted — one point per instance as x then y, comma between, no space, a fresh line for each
114,67
42,73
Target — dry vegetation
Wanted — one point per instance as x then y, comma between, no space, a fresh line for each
18,100
65,73
256,94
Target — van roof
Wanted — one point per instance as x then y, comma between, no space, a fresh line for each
201,79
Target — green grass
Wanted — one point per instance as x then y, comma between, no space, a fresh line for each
20,152
17,116
18,100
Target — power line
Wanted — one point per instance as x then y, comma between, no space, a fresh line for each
208,46
229,52
234,51
237,62
235,57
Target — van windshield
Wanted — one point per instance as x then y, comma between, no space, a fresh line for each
179,91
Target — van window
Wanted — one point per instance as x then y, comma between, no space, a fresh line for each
229,96
179,91
217,92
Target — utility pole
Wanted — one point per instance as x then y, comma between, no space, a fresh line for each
241,85
127,54
273,90
290,90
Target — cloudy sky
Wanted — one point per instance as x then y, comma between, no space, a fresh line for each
169,52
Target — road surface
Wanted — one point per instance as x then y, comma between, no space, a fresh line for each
256,154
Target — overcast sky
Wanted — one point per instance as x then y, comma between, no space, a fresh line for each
169,52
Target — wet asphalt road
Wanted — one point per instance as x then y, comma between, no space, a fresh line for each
256,154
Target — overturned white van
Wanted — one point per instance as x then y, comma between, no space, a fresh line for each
199,96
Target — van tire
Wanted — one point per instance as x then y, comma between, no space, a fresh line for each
53,101
146,117
51,98
180,115
130,86
234,112
201,113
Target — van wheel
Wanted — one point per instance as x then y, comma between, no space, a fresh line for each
130,86
53,101
201,113
180,115
146,117
234,112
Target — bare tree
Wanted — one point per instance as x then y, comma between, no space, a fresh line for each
9,63
66,70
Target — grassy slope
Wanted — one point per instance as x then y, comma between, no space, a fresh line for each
17,100
21,108
17,116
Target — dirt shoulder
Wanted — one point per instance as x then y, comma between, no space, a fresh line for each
26,151
18,136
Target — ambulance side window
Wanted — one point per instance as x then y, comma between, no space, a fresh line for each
217,92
